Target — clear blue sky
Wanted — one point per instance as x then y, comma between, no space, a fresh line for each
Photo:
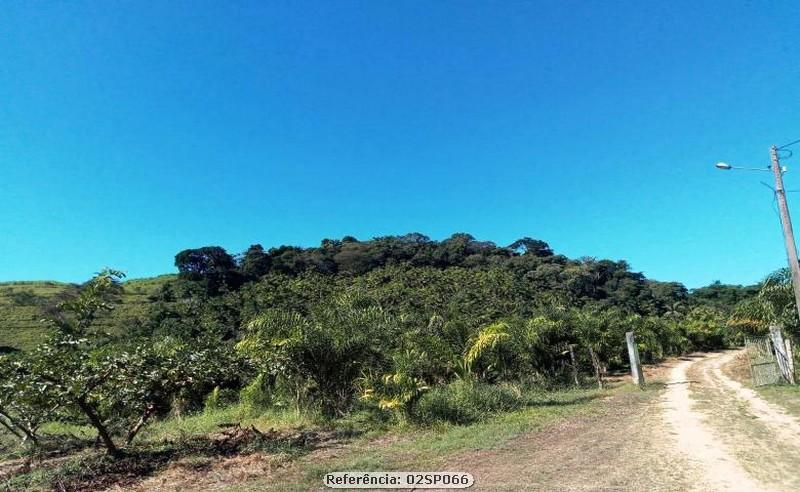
132,131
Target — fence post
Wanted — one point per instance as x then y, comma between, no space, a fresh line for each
633,355
790,357
780,353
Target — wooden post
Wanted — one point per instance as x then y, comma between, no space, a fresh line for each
633,355
575,365
780,353
790,358
598,368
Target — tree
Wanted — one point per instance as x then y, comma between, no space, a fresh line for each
774,304
210,265
24,407
530,246
255,262
113,385
76,312
722,296
322,353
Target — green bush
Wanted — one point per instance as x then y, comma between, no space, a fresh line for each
465,402
219,398
255,395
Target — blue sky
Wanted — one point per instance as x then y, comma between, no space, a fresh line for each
130,133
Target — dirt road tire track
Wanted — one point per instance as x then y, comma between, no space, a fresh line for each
737,440
696,441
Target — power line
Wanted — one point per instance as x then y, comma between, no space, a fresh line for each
788,144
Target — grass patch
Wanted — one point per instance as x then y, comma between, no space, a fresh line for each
211,420
373,442
198,438
783,395
417,448
21,305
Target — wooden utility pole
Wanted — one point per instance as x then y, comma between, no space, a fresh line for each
786,222
633,355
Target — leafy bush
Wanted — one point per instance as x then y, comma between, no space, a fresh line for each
464,402
324,352
255,395
219,398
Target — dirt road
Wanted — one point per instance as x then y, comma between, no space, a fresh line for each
702,432
734,437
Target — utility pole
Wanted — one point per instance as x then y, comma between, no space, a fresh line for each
786,222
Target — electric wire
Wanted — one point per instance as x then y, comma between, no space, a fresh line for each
788,144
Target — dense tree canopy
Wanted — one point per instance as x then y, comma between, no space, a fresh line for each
531,262
351,324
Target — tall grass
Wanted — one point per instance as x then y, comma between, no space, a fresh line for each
214,419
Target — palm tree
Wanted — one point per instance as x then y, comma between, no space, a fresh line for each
773,305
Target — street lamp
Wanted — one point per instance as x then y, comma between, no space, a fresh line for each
786,221
727,167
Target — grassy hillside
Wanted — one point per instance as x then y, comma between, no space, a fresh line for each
22,303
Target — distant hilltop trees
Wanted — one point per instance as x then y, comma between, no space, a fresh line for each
534,265
216,268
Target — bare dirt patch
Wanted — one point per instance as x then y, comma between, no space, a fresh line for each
728,431
620,448
209,474
693,439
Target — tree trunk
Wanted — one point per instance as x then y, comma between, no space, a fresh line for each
148,412
94,419
9,426
598,368
13,426
574,364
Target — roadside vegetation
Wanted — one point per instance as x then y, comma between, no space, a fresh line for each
279,351
772,305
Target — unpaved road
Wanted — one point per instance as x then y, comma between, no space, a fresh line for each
738,440
703,432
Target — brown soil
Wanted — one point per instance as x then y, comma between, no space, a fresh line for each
758,442
704,432
620,448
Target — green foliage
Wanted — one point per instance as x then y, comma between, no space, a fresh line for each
774,304
24,406
21,325
324,352
255,396
75,314
438,331
219,398
210,265
400,388
722,296
465,402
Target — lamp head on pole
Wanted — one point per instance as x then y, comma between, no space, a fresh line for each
724,166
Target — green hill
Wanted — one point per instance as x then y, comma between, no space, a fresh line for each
22,305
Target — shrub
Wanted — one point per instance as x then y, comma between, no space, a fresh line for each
255,395
465,402
219,398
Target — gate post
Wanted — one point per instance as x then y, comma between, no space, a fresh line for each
780,352
790,357
633,355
